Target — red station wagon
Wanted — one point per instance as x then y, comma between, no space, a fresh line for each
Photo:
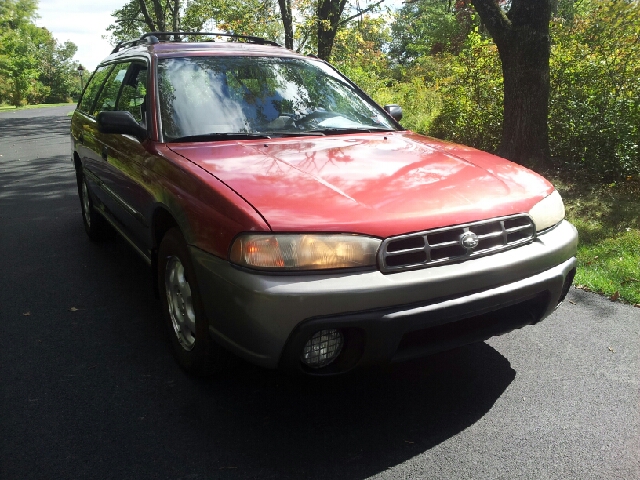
289,219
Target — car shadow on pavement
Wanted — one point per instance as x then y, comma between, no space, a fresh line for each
348,427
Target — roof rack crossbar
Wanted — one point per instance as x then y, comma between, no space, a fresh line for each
153,37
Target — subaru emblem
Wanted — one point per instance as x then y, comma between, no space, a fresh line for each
469,240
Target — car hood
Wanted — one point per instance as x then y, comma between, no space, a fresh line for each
375,184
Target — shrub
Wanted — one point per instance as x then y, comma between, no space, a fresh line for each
471,96
594,118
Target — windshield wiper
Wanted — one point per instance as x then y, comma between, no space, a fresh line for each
336,130
313,133
218,136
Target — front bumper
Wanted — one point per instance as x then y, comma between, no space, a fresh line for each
268,318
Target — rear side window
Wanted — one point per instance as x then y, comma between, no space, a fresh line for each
108,95
93,88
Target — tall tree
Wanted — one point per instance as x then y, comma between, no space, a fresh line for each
139,16
287,22
521,35
18,51
329,15
428,27
58,72
248,17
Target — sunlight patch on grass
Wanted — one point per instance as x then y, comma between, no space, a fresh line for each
611,265
608,220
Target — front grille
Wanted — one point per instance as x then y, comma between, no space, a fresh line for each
445,245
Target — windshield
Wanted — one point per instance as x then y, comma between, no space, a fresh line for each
211,97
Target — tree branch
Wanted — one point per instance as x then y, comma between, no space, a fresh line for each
493,18
368,9
147,19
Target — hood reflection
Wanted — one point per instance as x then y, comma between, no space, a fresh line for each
368,183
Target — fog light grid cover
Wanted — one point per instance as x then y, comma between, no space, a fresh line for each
322,348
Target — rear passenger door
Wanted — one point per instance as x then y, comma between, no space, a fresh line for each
96,163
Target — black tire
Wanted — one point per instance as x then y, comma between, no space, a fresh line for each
94,224
182,309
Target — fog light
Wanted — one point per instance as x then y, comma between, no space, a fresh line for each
322,348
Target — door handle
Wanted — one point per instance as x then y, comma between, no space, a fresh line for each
105,152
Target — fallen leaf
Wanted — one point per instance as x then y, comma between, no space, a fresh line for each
612,350
572,302
73,309
26,314
615,296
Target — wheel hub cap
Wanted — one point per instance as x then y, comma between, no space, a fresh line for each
181,310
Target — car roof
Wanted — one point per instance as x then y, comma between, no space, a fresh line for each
221,47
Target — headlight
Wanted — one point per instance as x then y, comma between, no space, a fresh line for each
304,251
548,211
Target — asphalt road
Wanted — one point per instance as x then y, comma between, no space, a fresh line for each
88,388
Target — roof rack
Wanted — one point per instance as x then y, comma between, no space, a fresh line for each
153,37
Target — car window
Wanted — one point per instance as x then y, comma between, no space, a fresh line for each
92,89
134,92
108,95
253,95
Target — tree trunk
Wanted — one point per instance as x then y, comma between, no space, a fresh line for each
329,13
525,67
524,45
287,22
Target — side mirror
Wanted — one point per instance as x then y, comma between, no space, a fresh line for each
120,122
395,111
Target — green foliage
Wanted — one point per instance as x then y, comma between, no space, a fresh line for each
471,93
595,101
428,27
140,16
129,23
18,49
250,17
608,220
57,72
34,68
357,52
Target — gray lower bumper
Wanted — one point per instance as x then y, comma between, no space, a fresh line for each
256,315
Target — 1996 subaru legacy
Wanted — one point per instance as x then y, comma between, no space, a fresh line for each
291,220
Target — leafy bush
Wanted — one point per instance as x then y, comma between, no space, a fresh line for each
420,104
471,96
594,118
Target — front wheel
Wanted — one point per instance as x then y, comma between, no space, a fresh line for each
182,308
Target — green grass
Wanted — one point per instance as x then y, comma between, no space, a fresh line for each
4,107
608,220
